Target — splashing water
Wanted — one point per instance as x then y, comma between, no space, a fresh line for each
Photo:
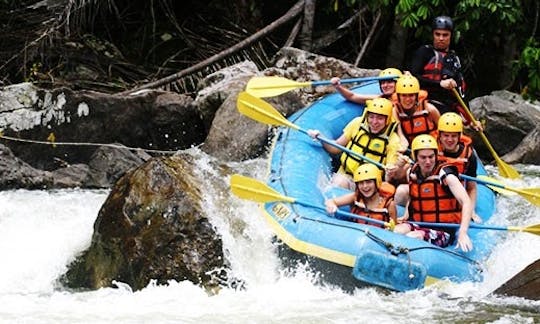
41,232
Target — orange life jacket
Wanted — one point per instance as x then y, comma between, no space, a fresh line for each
430,200
462,161
386,192
416,123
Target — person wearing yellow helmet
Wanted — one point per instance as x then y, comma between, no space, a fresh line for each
416,116
436,195
371,198
456,148
387,87
371,135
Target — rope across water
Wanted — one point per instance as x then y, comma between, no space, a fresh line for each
116,146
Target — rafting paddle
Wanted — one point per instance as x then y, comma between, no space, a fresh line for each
504,169
531,194
261,111
255,190
271,86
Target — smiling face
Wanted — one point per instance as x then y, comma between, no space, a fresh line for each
408,100
449,141
367,187
441,39
426,159
376,122
388,87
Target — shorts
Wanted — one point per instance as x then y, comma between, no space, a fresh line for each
435,237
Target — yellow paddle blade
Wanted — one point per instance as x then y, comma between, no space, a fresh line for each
500,190
531,194
534,229
506,170
272,86
252,189
261,111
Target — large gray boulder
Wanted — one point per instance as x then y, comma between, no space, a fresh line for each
218,86
508,120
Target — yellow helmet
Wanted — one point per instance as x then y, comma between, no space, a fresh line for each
450,122
407,84
380,106
423,142
390,72
368,171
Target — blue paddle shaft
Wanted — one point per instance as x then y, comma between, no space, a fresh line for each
427,224
343,148
341,212
466,177
355,80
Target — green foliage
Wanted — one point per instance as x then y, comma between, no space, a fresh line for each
529,61
33,72
373,4
505,12
468,14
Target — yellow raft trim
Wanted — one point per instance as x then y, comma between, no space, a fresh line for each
316,250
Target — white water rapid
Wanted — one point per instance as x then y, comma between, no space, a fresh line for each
41,232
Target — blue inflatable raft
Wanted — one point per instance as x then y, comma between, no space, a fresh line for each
301,168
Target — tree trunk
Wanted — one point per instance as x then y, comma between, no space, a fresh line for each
506,78
332,36
369,37
306,34
395,55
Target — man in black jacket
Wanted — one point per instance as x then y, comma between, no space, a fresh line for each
438,68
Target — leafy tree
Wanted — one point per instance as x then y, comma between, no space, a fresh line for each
529,61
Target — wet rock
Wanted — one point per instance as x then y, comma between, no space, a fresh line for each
152,227
218,86
108,164
76,120
71,176
525,284
528,151
235,137
15,173
508,120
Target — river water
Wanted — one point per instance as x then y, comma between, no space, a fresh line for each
41,232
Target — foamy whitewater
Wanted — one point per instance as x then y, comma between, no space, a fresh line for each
41,232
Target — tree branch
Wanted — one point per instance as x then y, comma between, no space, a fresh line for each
368,38
289,15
